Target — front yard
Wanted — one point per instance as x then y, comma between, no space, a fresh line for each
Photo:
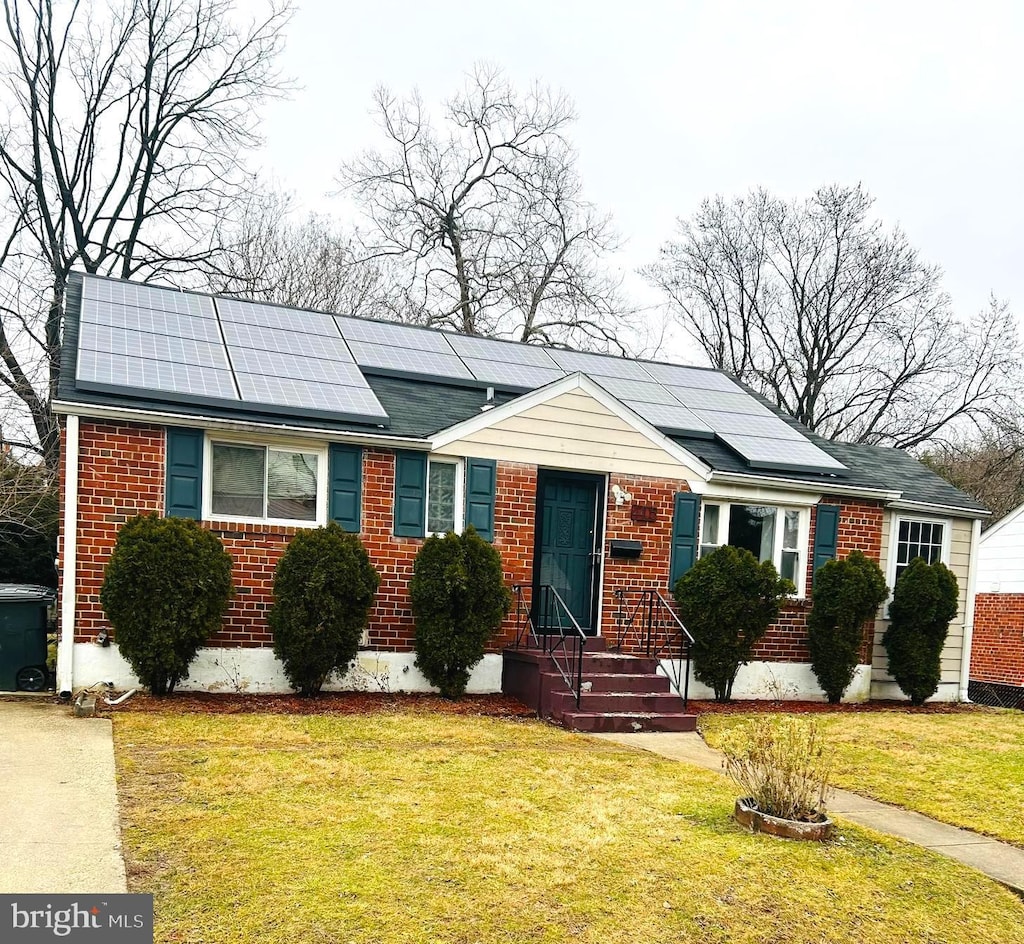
965,768
407,827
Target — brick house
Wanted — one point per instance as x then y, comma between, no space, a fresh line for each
997,651
597,476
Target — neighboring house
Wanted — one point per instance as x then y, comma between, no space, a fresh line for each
259,420
997,653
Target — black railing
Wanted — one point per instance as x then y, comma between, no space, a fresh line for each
657,632
546,623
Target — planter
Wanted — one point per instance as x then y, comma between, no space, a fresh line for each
747,814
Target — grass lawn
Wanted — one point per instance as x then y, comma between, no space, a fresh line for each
406,827
965,768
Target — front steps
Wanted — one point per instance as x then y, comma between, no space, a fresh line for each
621,693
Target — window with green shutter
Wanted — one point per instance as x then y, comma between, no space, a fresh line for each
410,494
184,491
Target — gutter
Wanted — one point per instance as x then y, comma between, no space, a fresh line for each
955,510
743,478
75,409
972,591
68,562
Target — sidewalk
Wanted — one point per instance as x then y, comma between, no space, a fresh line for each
58,801
998,860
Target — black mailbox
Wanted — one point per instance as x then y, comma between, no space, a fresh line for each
628,549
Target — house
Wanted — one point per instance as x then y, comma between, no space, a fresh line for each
997,651
598,476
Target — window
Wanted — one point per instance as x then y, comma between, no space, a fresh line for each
266,483
918,538
444,497
770,533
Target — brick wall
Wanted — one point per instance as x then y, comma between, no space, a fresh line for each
122,474
997,647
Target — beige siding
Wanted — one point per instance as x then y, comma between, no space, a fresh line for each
959,562
572,431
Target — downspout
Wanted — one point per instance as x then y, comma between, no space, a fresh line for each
972,588
69,557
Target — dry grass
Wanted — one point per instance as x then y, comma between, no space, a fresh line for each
965,769
416,828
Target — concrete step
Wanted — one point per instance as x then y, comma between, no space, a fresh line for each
616,702
607,663
628,722
627,682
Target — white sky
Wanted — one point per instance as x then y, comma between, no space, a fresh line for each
921,101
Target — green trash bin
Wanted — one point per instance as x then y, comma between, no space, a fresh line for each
23,625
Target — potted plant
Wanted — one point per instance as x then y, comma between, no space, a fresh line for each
783,767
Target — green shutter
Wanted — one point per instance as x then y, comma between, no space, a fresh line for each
481,476
826,534
184,498
685,516
410,494
346,481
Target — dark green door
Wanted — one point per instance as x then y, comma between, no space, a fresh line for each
568,535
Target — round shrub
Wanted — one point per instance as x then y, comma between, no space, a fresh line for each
459,599
323,587
847,593
923,604
165,591
727,601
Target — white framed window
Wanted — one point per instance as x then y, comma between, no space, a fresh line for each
917,537
445,484
265,483
770,532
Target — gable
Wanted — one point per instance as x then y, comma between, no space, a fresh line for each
573,431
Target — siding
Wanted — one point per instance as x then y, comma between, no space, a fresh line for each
572,431
959,563
1001,557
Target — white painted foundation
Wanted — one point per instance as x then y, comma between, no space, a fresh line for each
890,691
258,671
780,681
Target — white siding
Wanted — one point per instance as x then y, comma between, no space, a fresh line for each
1001,556
572,431
959,562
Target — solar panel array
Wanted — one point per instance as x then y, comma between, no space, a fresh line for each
281,359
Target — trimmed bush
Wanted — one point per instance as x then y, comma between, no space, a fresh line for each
923,604
727,601
783,764
323,588
847,593
459,599
165,591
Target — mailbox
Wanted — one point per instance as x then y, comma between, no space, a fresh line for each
626,549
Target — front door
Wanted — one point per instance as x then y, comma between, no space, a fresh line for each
568,544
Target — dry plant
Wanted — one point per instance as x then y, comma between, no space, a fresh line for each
783,764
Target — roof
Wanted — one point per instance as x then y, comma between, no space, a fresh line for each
405,397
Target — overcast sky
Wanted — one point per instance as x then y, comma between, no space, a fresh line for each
921,101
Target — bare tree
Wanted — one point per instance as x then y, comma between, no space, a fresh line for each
307,262
29,513
488,217
835,318
120,150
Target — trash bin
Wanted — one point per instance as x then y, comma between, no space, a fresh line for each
23,625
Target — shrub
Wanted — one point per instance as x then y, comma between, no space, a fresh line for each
727,601
847,593
165,591
323,587
923,604
459,598
783,764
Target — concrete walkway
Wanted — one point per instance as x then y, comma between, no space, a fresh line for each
59,828
998,860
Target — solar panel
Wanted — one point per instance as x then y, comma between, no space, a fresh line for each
502,352
309,395
155,322
409,360
720,400
118,370
274,316
676,419
150,297
276,364
704,379
765,427
393,335
599,365
159,347
258,338
513,376
795,454
641,391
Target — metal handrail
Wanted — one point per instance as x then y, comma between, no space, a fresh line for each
662,634
566,649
